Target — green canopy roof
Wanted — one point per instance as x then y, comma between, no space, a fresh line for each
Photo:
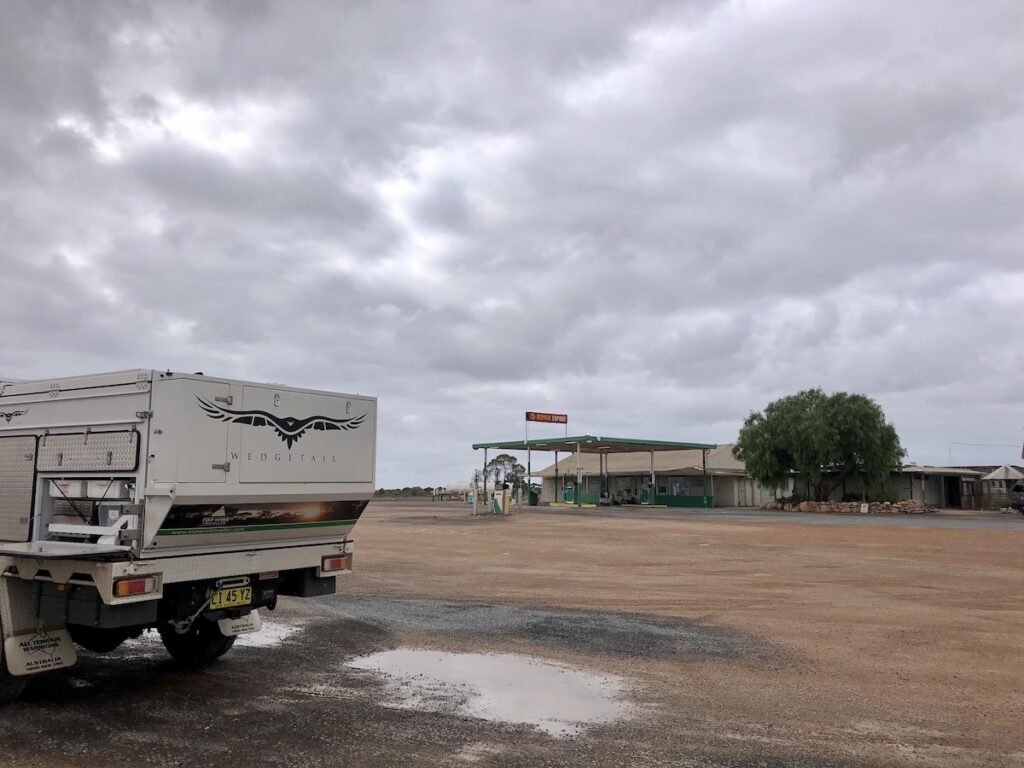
594,444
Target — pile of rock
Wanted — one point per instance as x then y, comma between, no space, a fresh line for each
910,507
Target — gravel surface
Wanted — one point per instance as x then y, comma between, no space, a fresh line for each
739,643
295,702
615,634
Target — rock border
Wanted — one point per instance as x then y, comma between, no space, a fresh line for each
908,507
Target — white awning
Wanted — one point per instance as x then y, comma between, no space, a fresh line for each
1005,472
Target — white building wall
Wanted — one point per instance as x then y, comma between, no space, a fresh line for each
725,491
547,490
746,492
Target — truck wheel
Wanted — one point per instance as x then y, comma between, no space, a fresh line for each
97,640
198,645
10,686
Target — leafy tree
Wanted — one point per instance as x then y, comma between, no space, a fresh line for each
828,439
507,468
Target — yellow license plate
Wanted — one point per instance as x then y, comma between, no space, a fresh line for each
230,598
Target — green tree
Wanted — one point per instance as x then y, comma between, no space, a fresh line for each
828,439
507,468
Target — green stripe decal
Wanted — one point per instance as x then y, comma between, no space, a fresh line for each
246,528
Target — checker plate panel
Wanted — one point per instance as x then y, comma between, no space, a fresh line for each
89,452
17,475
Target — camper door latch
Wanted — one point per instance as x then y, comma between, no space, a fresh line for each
143,414
227,400
226,466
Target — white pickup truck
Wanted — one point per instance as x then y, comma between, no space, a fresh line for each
141,499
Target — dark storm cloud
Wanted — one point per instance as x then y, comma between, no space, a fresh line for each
655,216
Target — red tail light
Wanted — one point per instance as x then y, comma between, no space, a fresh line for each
141,585
334,563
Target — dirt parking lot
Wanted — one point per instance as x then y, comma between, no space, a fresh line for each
743,640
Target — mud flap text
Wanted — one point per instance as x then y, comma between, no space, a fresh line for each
40,651
251,622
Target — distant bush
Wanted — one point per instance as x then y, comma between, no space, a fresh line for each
403,492
886,494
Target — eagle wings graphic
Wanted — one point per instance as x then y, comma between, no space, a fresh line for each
288,428
8,415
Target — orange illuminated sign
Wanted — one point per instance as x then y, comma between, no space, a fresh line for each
547,418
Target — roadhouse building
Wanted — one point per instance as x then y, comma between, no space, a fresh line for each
680,479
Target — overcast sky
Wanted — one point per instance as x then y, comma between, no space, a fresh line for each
655,217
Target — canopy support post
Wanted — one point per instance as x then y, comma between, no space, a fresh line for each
529,479
579,477
476,494
604,477
654,486
704,469
558,498
485,476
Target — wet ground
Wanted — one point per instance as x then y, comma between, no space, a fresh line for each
512,688
361,681
590,632
551,639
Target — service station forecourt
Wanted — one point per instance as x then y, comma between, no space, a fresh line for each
602,446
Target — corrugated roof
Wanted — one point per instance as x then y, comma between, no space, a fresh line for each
921,469
986,468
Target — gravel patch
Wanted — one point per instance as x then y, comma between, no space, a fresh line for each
612,634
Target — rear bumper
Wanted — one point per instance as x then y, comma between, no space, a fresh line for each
167,570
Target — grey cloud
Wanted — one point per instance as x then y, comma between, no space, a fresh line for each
655,216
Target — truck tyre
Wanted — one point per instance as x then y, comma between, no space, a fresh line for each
10,686
198,645
97,640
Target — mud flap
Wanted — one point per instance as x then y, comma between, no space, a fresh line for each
39,651
251,622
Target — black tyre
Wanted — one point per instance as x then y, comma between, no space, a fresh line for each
98,640
198,645
10,686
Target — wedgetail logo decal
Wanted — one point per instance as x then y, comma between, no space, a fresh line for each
8,416
288,428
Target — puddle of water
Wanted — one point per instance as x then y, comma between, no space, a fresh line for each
270,635
273,633
146,645
503,687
